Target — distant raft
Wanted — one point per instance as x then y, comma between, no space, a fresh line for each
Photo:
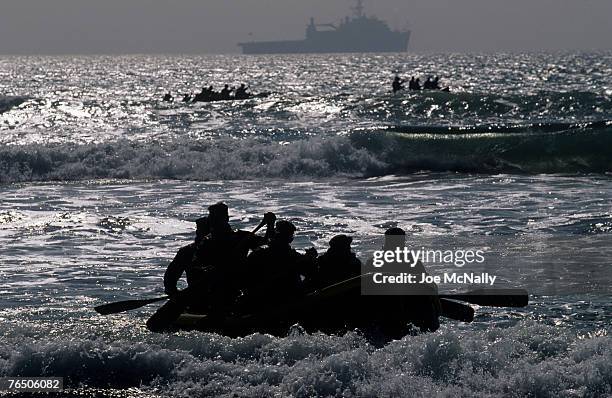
216,97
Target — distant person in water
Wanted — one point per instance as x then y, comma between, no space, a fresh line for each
168,97
428,85
200,96
241,92
205,95
225,93
338,263
414,84
398,84
436,83
210,94
183,260
411,83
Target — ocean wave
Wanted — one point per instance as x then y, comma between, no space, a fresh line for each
531,148
218,159
551,148
479,106
591,226
523,360
503,130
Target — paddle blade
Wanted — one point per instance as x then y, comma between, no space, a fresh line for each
122,306
495,297
165,316
457,311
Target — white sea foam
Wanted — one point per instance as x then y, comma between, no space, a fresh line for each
527,359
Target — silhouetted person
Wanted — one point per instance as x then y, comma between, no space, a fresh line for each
225,93
241,92
338,263
436,83
220,260
411,83
200,96
414,84
276,271
224,254
183,260
211,94
206,95
428,85
398,84
421,302
168,97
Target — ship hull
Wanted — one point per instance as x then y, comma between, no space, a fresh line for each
395,42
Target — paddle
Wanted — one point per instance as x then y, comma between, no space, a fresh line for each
127,305
457,311
493,297
122,306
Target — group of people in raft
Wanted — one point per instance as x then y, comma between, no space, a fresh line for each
223,266
432,83
209,94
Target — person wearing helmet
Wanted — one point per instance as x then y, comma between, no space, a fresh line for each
338,263
276,272
183,261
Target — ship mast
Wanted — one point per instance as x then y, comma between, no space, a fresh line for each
358,9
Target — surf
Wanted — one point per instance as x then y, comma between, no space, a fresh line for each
530,149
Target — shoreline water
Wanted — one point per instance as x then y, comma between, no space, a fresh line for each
100,184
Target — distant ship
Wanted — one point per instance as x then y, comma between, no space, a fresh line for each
358,34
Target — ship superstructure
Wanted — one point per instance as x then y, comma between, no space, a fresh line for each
361,33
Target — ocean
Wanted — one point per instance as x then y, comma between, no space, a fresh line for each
100,182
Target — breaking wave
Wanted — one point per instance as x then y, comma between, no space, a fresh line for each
218,159
522,360
540,148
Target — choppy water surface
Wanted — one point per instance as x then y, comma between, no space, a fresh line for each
101,182
91,117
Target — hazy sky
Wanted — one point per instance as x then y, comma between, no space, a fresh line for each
204,26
